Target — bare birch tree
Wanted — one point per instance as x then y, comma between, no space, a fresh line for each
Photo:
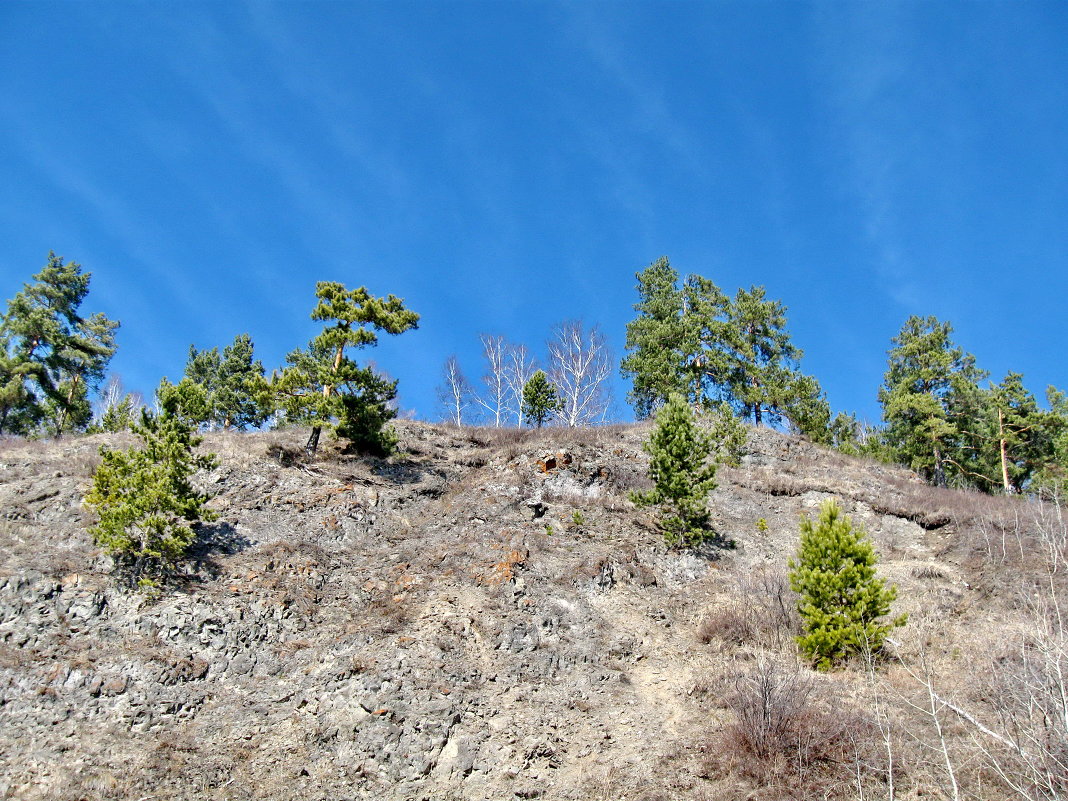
520,365
496,395
116,408
580,364
455,392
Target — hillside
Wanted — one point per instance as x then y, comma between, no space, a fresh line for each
487,617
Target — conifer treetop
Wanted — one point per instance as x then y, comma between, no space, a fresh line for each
353,310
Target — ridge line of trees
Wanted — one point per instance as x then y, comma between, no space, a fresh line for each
942,415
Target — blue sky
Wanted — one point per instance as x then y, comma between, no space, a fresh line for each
504,166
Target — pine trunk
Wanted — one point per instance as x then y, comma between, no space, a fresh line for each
755,383
313,440
698,394
63,411
1004,453
939,470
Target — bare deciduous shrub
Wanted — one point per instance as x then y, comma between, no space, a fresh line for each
762,612
790,743
491,437
389,614
624,482
1027,697
771,482
1004,730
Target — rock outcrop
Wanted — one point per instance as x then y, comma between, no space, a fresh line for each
483,617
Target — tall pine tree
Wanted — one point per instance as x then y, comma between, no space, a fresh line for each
762,372
1022,433
926,399
692,339
238,394
657,340
52,355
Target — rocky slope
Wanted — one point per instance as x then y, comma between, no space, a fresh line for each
484,617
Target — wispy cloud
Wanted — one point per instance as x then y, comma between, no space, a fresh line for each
139,236
652,113
863,59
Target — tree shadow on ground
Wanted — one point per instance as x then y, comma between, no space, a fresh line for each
397,472
213,540
712,548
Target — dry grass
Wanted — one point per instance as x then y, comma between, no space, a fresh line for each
550,436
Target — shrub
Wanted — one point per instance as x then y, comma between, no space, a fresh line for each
842,601
727,433
791,743
761,612
145,504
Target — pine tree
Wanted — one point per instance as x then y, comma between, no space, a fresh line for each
682,474
70,411
694,340
243,397
52,355
143,498
238,394
202,369
726,432
1021,433
540,400
843,434
323,387
841,600
656,340
677,341
117,410
762,374
117,416
807,409
705,355
926,402
19,407
1051,479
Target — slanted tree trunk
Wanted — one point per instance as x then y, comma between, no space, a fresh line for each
1004,452
313,440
